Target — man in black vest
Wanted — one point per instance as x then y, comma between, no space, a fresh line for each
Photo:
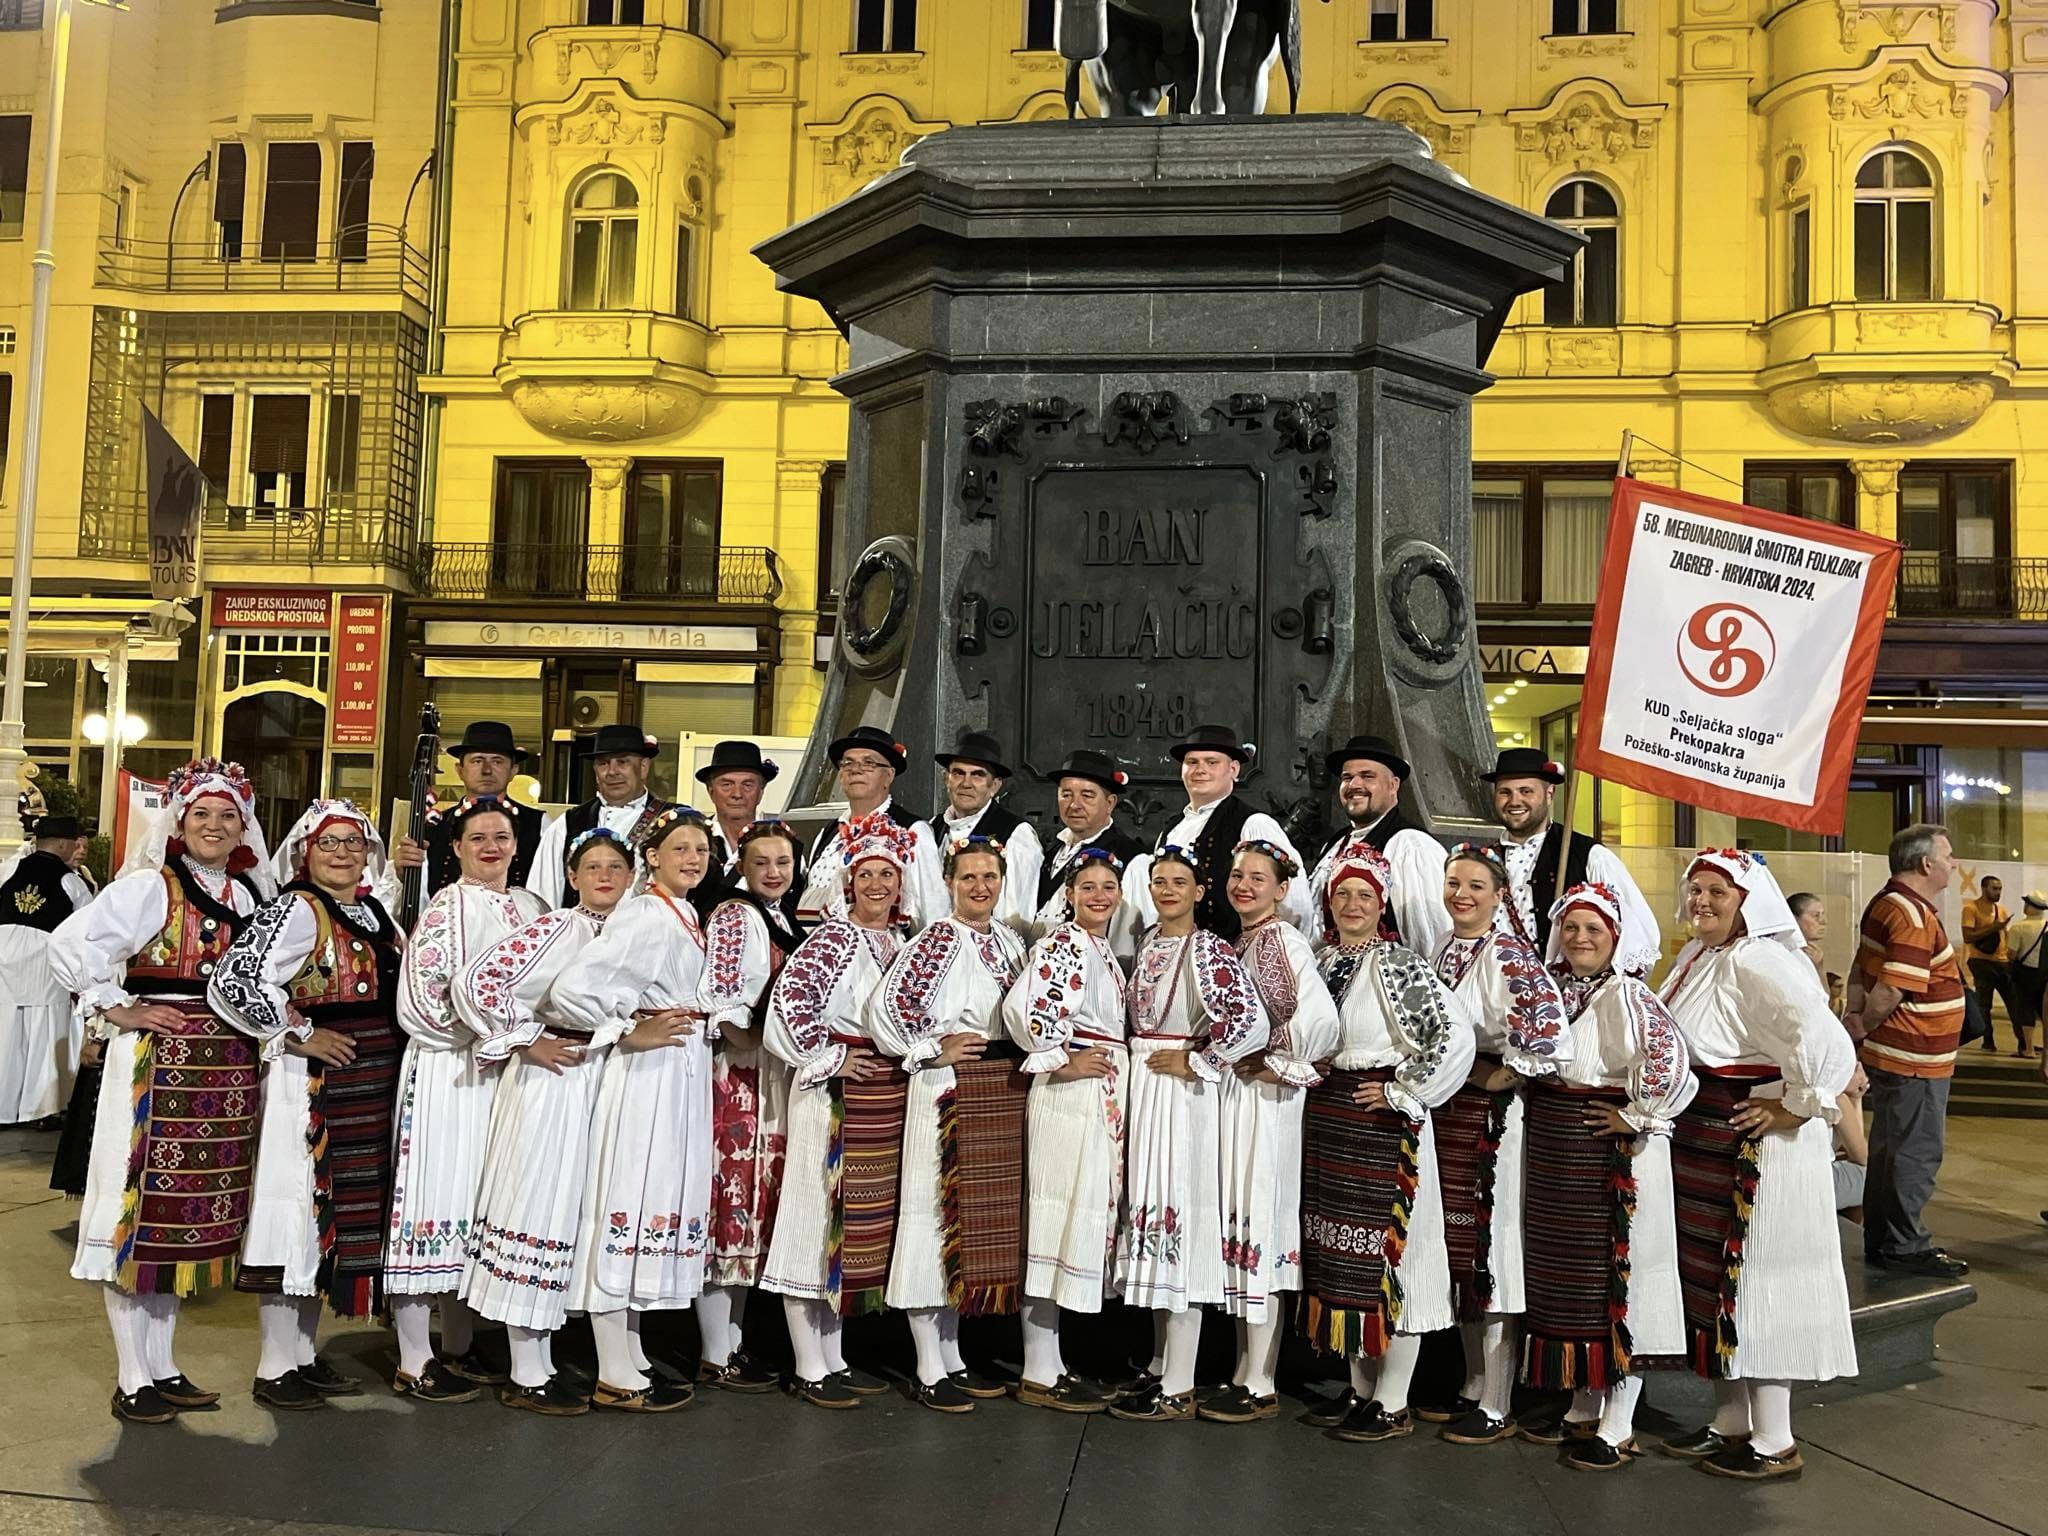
619,759
1369,775
1542,865
975,775
485,760
1216,820
735,778
38,1047
1087,787
868,760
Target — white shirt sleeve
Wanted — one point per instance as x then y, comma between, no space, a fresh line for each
1645,938
90,950
1787,1016
544,878
1418,861
248,987
599,991
736,963
927,900
1023,861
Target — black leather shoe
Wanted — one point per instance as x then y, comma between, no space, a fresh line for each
1596,1455
180,1391
1933,1263
1154,1406
144,1406
1702,1442
1479,1428
662,1396
1331,1412
1067,1395
289,1392
1447,1413
974,1384
859,1383
743,1373
1369,1422
323,1378
945,1396
436,1384
1556,1429
1239,1405
555,1398
1748,1465
829,1393
472,1366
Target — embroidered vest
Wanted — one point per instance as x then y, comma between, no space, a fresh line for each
1211,852
1053,875
995,822
197,930
351,971
579,819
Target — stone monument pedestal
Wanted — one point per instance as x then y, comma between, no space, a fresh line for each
1158,422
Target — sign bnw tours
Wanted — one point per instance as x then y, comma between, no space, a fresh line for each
1731,657
176,491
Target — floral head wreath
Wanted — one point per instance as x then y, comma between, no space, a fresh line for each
675,816
209,776
598,834
974,842
1283,862
1484,853
1174,853
767,826
1093,855
1594,896
877,836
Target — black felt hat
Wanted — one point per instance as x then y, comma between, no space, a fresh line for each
619,740
488,736
1374,749
1097,767
875,739
738,757
1525,763
976,747
1212,738
60,826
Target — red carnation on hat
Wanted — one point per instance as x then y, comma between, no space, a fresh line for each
1122,778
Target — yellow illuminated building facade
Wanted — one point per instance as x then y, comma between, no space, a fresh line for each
1814,280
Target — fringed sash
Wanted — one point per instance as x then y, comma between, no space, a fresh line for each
1468,1135
1714,1177
1580,1203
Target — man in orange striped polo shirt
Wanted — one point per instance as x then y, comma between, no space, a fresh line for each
1906,1009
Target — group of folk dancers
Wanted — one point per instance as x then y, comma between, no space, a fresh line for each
966,1073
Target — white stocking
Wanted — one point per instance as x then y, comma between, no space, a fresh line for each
547,1354
1183,1342
1160,1324
1258,1353
616,1367
832,1330
949,1340
529,1355
1042,1361
1397,1370
412,1318
931,1345
1473,1337
807,1337
1618,1419
718,1320
1770,1417
163,1326
277,1327
309,1328
1499,1361
1731,1409
458,1326
633,1340
1585,1409
1364,1370
130,1322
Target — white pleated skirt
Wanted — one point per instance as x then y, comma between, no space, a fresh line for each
1792,1302
1424,1273
1260,1172
1504,1257
444,1119
529,1205
1169,1246
1074,1139
917,1264
106,1169
644,1224
1656,1305
799,1261
284,1227
40,1034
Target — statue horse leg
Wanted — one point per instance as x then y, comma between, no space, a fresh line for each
1213,22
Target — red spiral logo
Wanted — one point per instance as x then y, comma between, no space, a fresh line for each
1726,650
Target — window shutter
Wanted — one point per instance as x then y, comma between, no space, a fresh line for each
277,434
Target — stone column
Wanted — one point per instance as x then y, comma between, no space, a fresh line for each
799,685
1877,495
607,523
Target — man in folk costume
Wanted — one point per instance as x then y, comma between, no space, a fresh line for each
1601,1233
868,762
314,979
1375,1271
959,1238
1216,820
485,759
736,778
836,1226
975,774
1086,789
1369,775
174,1133
40,1036
1759,1256
1542,864
620,757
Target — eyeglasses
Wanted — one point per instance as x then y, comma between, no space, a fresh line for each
331,844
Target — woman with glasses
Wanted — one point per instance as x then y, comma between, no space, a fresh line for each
751,932
315,978
530,1202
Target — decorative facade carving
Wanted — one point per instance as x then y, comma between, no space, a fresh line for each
607,53
1881,410
1897,95
1574,351
607,471
1584,132
1445,139
1414,57
601,124
582,335
867,143
1877,477
1896,21
607,411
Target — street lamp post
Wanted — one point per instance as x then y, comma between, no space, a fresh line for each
12,726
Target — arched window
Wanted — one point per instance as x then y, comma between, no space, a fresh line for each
1589,292
604,244
1894,227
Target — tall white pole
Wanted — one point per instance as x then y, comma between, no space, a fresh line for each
12,726
117,719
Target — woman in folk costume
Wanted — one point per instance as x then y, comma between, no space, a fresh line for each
1375,1273
1194,1014
174,1128
314,978
444,1108
836,1223
959,1240
646,1208
1067,1012
1751,1157
1261,1117
529,1203
748,938
1600,1245
1518,1017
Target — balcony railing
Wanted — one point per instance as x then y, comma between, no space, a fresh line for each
575,573
382,261
1933,586
259,535
21,15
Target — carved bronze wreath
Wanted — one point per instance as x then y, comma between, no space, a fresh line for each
1417,566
